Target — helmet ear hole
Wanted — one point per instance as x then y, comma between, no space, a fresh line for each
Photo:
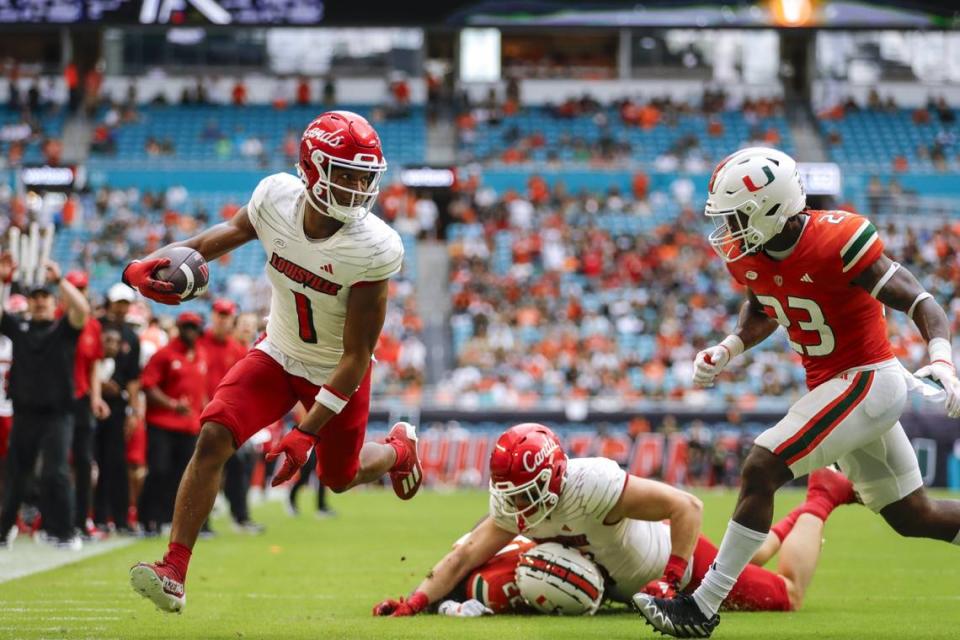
773,210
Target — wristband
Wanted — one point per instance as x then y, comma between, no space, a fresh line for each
940,350
332,399
676,567
418,601
733,344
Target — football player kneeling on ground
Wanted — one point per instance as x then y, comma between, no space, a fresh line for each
641,535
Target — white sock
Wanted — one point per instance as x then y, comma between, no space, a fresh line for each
957,539
738,546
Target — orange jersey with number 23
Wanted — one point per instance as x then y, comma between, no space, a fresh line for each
831,322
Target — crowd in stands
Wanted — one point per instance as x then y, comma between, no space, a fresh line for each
672,134
559,296
884,136
231,129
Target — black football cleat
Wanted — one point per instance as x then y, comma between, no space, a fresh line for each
679,617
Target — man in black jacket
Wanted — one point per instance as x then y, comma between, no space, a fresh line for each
41,388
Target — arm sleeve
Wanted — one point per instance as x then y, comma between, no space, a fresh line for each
860,246
154,372
386,261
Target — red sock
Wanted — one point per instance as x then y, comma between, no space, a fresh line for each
820,506
178,557
401,454
783,528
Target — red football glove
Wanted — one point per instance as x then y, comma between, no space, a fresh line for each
296,445
669,584
139,275
387,607
411,606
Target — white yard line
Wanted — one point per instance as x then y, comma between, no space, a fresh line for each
25,558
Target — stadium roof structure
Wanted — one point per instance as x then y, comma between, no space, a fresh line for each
863,14
696,13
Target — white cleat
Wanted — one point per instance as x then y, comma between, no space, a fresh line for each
151,581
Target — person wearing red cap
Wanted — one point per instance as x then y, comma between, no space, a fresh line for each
174,382
223,351
88,404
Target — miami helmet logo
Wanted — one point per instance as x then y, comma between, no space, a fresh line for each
538,457
753,188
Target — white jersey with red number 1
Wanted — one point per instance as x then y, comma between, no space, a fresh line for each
311,279
632,552
6,359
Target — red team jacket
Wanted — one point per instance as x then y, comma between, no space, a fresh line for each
221,356
89,348
811,293
178,375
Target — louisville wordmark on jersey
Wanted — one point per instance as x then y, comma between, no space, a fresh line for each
311,279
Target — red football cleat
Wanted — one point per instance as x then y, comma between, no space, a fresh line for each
161,584
406,474
832,484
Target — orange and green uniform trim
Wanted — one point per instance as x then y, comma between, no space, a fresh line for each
826,420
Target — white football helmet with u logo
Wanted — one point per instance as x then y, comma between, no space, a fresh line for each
752,194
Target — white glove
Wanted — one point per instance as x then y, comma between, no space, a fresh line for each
469,609
710,362
946,376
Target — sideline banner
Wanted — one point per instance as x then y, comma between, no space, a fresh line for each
693,450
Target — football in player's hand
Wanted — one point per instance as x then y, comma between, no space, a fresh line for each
187,272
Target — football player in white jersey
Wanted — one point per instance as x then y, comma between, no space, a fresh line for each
618,520
329,263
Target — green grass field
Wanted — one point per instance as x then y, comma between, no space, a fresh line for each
319,579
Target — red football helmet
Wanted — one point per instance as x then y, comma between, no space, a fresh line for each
341,164
527,470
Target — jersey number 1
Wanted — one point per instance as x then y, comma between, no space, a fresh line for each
816,323
305,317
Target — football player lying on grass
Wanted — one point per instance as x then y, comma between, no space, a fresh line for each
643,535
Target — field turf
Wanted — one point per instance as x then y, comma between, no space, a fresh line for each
319,579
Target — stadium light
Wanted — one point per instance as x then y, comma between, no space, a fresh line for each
792,13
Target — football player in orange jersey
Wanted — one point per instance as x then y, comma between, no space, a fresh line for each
824,276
